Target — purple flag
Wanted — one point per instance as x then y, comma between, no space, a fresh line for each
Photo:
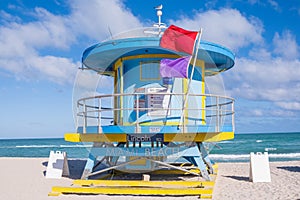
175,68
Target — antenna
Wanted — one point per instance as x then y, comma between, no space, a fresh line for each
159,14
158,25
110,32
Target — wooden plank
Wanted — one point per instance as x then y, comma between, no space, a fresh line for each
132,191
126,183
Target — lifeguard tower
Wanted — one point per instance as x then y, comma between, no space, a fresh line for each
151,126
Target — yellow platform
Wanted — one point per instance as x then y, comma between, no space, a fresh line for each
190,187
168,137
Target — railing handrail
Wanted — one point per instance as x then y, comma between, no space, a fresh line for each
216,107
156,93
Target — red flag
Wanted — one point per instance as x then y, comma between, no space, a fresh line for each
178,39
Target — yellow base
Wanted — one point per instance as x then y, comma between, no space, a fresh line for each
203,189
134,191
159,184
168,137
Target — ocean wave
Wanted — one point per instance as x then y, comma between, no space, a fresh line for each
233,142
229,156
36,146
259,141
76,145
285,155
247,156
270,149
54,146
225,142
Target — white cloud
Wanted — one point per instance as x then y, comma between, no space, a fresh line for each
271,76
47,31
264,111
282,113
226,26
87,80
21,42
257,112
6,17
274,80
286,45
274,5
260,54
26,46
289,105
94,19
57,69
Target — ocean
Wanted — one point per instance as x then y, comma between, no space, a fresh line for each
280,147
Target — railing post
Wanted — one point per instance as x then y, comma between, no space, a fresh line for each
182,117
77,116
137,127
99,115
217,115
232,118
84,117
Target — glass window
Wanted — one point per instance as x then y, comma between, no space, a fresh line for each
149,71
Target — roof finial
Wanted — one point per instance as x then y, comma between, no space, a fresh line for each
159,14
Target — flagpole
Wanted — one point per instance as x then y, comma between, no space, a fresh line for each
190,80
169,90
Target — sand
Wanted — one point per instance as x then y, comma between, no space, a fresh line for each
23,178
233,182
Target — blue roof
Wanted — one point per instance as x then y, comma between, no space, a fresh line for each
101,57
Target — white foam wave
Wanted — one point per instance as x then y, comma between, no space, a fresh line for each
270,149
54,146
285,155
76,145
36,146
258,141
225,142
229,156
247,156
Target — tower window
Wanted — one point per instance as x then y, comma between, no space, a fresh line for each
149,71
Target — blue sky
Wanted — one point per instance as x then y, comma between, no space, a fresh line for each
41,43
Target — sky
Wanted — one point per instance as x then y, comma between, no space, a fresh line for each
41,44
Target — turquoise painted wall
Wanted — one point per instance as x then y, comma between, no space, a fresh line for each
140,75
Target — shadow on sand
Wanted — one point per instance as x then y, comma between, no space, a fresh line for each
290,168
239,178
76,167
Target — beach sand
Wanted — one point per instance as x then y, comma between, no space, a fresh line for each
23,178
